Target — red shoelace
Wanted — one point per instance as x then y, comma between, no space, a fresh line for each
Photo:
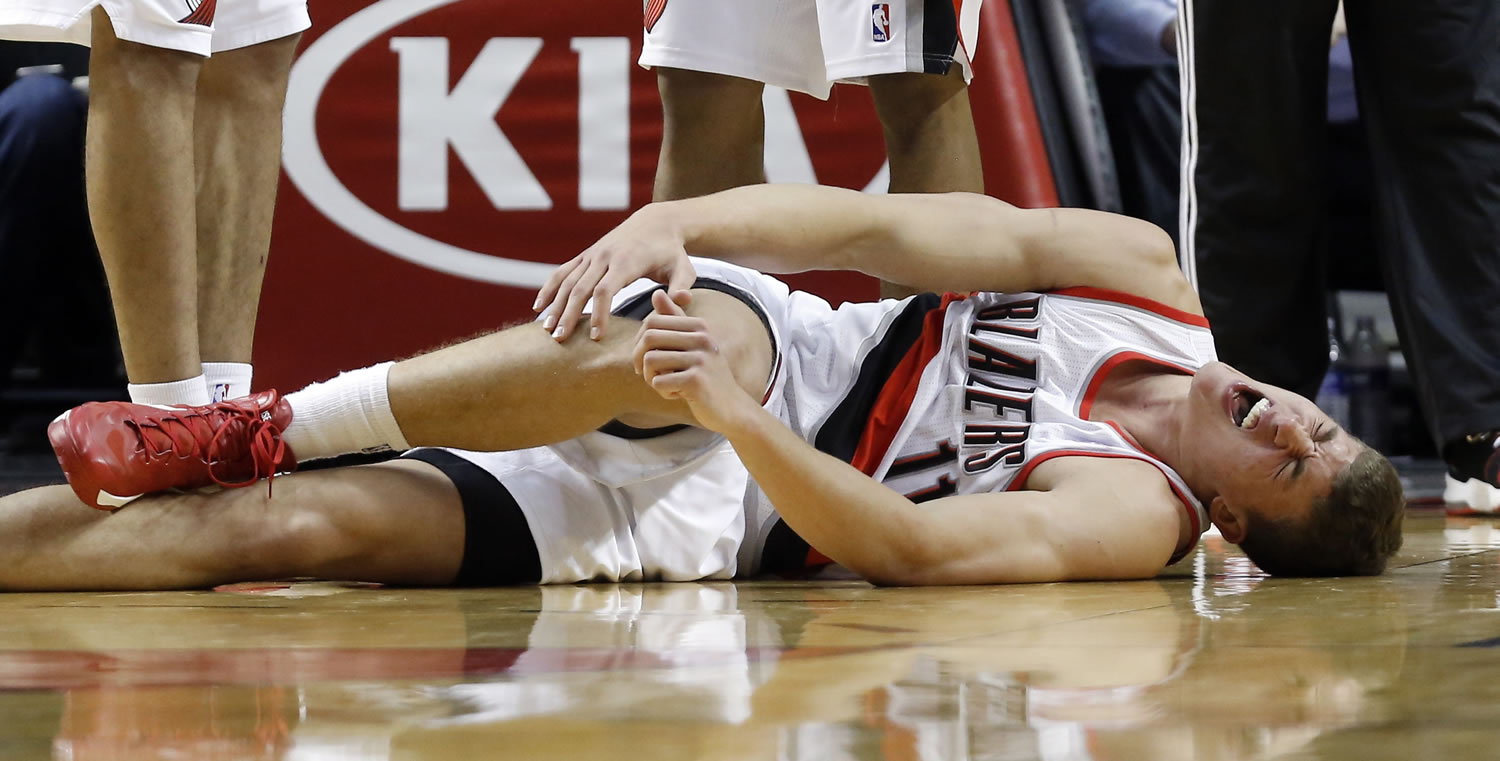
177,433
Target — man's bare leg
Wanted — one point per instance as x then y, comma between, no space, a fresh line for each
237,149
399,522
713,134
518,388
929,137
140,193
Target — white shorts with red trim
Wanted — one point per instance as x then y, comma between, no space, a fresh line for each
807,45
680,505
201,27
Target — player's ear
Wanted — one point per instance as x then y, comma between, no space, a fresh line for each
1229,520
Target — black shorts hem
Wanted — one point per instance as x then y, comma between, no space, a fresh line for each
499,549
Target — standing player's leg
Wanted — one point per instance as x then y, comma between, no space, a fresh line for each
929,132
398,522
1255,213
237,149
713,59
713,134
914,55
929,138
1431,108
140,192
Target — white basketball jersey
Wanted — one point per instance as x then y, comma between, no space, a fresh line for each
974,392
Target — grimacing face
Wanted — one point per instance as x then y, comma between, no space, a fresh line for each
1262,447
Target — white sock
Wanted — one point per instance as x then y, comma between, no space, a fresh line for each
348,413
227,380
192,391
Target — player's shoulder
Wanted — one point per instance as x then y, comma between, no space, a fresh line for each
1148,265
1125,483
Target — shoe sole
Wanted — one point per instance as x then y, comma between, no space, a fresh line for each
1470,497
60,437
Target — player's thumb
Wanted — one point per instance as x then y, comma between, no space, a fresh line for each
664,305
678,285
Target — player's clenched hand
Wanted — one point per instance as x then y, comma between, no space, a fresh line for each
648,244
680,360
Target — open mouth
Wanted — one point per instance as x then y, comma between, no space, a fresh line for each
1246,406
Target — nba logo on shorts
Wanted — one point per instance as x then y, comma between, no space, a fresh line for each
880,18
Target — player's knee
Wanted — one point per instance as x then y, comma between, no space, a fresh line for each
743,339
275,539
136,67
706,105
908,103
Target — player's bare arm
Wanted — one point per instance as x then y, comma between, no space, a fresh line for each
936,242
1051,532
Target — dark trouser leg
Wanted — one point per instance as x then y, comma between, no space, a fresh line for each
1143,112
1253,235
44,226
1429,94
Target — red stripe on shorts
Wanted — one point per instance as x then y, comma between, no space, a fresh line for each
654,9
203,15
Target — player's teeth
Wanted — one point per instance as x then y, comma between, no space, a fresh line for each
1255,412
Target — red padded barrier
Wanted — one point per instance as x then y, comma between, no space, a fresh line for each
1016,168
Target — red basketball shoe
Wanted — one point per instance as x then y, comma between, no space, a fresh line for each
113,452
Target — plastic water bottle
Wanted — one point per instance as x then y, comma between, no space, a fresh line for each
1369,385
1333,394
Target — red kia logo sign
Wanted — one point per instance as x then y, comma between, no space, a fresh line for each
490,140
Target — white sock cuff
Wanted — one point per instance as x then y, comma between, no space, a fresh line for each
377,392
228,380
193,391
350,412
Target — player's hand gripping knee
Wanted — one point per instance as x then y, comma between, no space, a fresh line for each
680,360
648,244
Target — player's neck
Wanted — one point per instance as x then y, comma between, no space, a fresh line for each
1149,404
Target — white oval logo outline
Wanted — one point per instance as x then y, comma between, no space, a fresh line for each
309,171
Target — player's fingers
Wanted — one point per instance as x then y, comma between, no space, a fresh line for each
554,282
677,385
604,294
553,314
679,284
658,361
677,322
663,304
578,298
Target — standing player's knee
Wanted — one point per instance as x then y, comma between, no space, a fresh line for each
907,103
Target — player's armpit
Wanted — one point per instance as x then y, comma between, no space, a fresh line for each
1092,519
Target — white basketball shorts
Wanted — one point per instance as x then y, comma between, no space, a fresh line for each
678,505
202,27
807,45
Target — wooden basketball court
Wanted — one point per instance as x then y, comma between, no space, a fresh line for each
1210,661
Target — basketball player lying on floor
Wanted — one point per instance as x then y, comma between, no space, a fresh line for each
1065,420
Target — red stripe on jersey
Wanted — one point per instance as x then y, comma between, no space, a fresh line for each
654,10
203,15
1128,299
894,401
1086,405
900,389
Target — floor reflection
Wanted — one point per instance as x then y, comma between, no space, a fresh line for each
1211,661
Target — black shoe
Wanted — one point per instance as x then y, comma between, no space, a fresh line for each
1473,480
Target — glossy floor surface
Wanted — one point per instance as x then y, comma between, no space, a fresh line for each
1211,661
